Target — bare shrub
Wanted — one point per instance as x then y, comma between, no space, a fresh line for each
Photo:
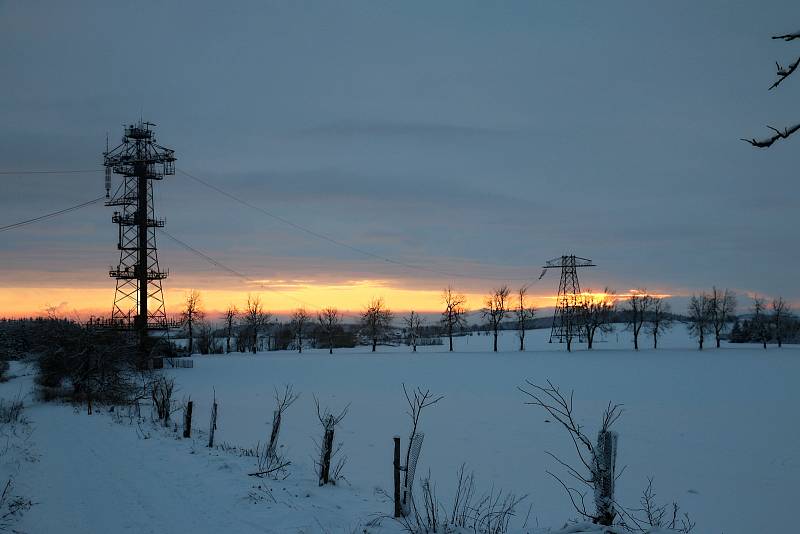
92,365
651,515
486,513
598,458
161,392
327,450
417,401
12,507
269,460
11,411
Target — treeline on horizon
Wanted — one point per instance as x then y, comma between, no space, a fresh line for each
251,329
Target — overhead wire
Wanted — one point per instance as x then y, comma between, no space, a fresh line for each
233,271
50,215
68,171
339,243
259,209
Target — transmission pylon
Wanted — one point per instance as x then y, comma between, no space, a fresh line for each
140,160
566,316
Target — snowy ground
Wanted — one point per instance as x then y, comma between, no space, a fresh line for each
716,430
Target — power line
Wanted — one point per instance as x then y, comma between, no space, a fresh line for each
69,171
231,270
50,215
341,243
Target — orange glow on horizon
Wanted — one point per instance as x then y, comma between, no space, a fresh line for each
278,296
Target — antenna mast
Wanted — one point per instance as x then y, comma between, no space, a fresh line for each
139,299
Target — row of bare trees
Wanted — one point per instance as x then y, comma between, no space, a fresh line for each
712,313
709,314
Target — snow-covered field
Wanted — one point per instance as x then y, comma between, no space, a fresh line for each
716,429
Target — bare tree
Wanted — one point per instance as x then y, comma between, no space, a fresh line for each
256,318
413,323
723,309
329,320
496,309
523,313
760,321
453,314
660,319
599,459
417,400
636,313
700,317
270,461
206,342
192,313
782,73
781,311
597,311
300,320
327,451
231,314
375,321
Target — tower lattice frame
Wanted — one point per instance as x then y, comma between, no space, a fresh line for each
140,160
566,318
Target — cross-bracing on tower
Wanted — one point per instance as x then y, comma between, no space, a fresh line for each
140,160
567,317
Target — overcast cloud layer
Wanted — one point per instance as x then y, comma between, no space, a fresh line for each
482,138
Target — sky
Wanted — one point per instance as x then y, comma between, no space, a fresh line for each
475,140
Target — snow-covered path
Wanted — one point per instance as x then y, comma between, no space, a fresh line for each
106,472
97,475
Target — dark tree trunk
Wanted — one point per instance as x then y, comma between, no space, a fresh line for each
327,450
495,340
374,343
187,421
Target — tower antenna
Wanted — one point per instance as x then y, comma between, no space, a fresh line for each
566,319
139,299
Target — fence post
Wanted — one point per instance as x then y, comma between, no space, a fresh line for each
213,425
414,449
327,451
605,477
187,421
398,510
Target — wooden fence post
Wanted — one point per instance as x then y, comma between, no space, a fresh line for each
606,477
213,425
327,451
398,510
187,420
